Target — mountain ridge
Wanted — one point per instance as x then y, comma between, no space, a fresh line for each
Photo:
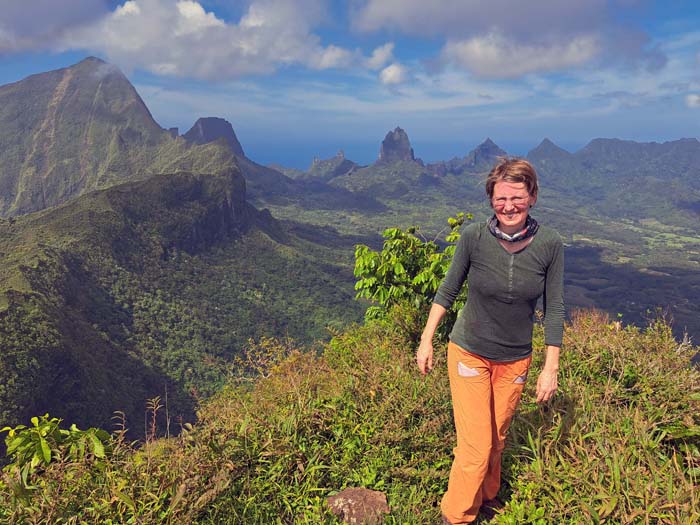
602,199
209,129
161,281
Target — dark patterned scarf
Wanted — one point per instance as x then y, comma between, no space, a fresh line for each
528,230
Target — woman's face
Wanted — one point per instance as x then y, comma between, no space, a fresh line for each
511,202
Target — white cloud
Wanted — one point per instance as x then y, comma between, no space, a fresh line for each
692,101
448,94
549,34
181,38
193,19
381,56
37,24
494,56
460,18
333,57
393,74
129,8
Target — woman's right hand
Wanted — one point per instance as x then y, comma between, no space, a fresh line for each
424,356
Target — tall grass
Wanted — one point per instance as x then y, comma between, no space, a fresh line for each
619,443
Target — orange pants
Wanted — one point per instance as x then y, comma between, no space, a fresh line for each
485,395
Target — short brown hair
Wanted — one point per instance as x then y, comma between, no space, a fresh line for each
513,170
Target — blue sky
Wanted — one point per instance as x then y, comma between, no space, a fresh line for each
305,78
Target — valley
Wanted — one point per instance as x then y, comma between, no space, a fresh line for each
130,251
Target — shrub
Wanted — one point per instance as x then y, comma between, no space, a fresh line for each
408,270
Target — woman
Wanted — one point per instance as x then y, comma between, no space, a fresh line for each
509,262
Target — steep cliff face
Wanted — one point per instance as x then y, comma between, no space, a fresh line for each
480,159
188,212
209,129
548,150
148,287
67,131
396,147
327,169
84,127
484,156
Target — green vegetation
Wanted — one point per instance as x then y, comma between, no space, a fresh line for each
408,270
162,281
619,444
645,252
169,293
35,447
635,205
85,127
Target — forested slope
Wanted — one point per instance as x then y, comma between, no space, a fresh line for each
151,287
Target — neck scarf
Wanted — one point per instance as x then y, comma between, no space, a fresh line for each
529,229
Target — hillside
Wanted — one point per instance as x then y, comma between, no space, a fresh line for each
624,209
629,180
152,286
174,284
270,187
73,130
618,444
66,132
627,210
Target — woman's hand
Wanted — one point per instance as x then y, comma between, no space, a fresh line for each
547,384
424,356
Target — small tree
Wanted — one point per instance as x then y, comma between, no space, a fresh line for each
408,271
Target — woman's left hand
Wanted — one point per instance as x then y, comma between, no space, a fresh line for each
546,384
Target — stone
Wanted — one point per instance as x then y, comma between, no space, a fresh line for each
209,129
359,506
396,146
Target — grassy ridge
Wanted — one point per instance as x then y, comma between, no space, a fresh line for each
619,444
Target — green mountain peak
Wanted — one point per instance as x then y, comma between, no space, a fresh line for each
69,131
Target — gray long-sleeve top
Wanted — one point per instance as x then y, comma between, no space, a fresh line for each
497,320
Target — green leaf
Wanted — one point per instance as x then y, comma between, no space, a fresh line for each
97,447
126,499
14,444
45,450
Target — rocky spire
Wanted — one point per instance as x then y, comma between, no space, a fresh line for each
396,146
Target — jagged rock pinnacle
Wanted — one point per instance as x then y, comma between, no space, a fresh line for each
396,146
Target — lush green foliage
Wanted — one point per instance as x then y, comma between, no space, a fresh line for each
33,448
408,270
162,282
619,443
